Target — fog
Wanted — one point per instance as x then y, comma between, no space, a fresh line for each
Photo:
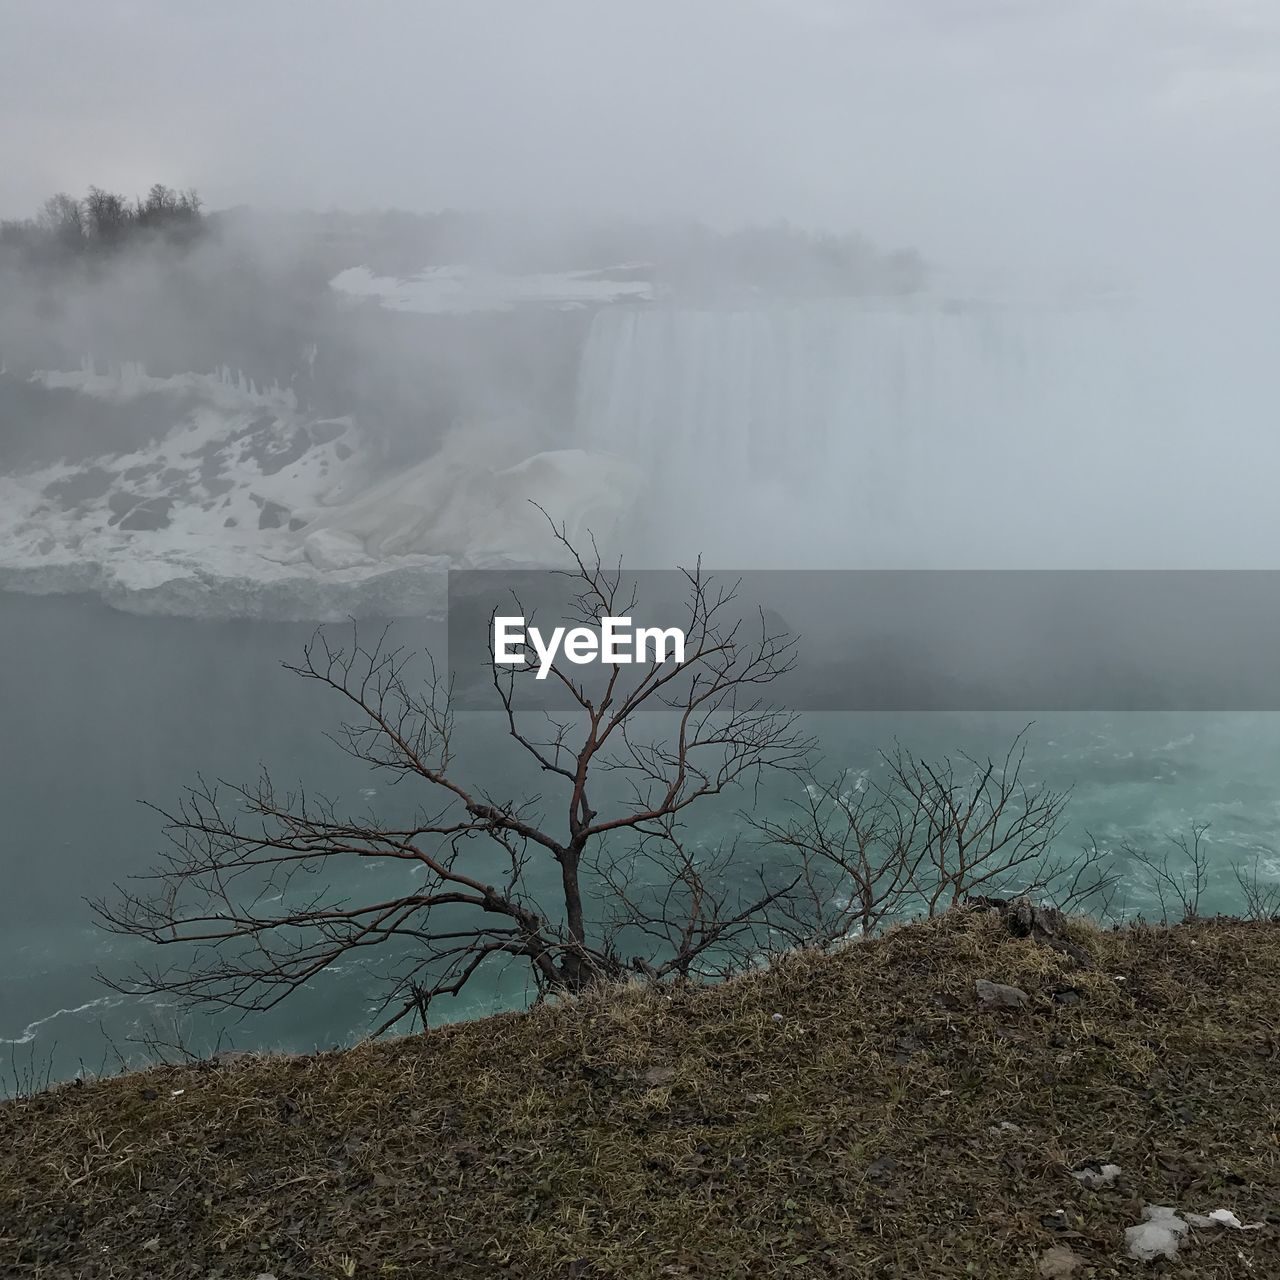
1106,135
933,285
784,284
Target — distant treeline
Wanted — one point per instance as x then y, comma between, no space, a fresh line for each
102,222
687,258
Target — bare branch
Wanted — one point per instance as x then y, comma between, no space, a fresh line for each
245,895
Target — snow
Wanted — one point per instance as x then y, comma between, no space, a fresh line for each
1158,1235
247,507
1163,1229
459,290
448,506
227,389
332,549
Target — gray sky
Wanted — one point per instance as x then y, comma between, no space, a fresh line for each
1084,132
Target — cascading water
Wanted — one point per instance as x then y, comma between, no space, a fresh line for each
843,432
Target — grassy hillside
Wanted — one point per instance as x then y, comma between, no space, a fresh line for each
858,1115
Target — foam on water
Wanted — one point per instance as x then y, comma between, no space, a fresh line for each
32,1029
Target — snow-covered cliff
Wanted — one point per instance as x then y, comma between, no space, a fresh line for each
249,506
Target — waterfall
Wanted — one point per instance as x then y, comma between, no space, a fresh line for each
844,432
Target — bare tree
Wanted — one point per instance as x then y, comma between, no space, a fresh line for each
1179,879
924,836
859,855
107,215
245,892
159,206
1088,882
165,208
66,228
979,824
63,218
1261,896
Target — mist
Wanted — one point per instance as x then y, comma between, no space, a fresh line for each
776,286
1037,157
1042,137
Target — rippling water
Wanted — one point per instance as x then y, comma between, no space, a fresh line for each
102,710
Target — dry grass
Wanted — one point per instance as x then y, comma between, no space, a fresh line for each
692,1133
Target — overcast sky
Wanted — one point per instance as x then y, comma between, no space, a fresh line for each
1088,132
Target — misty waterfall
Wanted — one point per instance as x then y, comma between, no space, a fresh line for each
869,410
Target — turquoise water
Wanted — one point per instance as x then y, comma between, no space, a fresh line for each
102,710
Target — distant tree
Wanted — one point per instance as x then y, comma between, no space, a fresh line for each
160,205
164,207
108,216
63,218
19,233
103,221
